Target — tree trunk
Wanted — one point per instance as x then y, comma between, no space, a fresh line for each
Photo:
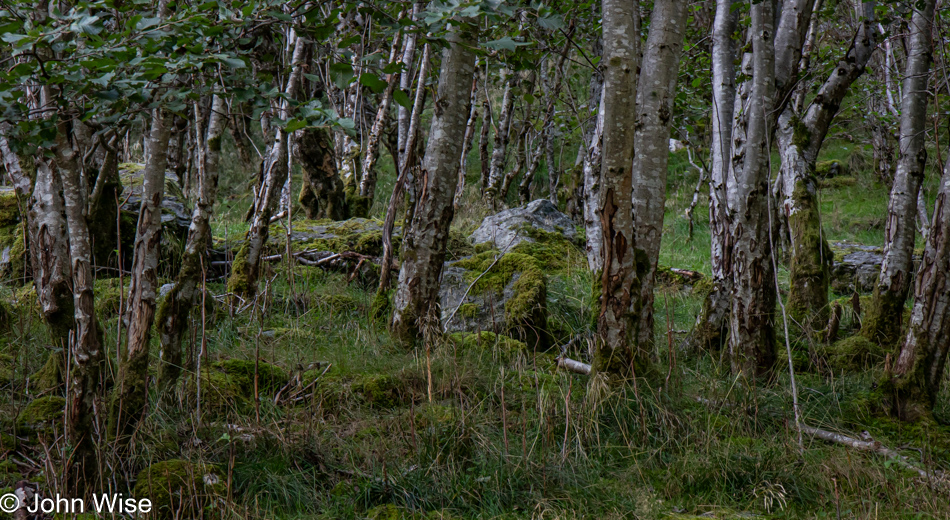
425,239
85,354
709,333
617,322
405,83
921,360
751,327
132,384
321,195
496,172
172,316
800,138
368,180
657,90
467,143
484,157
591,173
246,266
882,321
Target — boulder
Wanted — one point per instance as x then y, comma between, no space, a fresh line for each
856,267
174,211
495,292
511,227
182,489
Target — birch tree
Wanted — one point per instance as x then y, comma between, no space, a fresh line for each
801,133
882,321
922,358
172,316
425,240
710,330
617,322
656,92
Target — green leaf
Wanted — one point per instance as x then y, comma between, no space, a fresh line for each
505,43
341,74
12,38
400,96
373,82
234,63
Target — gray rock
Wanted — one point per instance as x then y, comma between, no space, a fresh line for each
165,289
173,209
481,312
504,230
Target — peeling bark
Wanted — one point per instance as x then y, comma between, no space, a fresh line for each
751,324
425,240
132,383
921,360
172,316
321,194
616,351
496,174
882,322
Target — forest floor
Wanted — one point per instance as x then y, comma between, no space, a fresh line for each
486,429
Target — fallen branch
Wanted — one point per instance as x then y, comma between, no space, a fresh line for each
573,366
866,445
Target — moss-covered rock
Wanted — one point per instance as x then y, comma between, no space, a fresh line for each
853,354
42,414
828,169
507,294
182,489
487,341
229,385
379,390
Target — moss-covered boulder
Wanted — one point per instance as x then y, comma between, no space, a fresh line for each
852,354
182,489
486,341
509,228
502,293
229,385
829,169
42,414
379,390
855,268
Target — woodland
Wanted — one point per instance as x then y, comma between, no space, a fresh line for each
475,258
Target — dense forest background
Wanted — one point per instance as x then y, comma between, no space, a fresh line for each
487,259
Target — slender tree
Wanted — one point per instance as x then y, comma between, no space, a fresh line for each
710,330
172,315
882,320
425,240
922,358
617,322
656,92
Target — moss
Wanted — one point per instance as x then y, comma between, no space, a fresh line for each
42,413
229,385
883,317
360,235
387,512
50,376
270,378
855,353
378,390
181,489
828,169
12,236
525,310
553,251
356,206
468,310
381,307
837,182
486,340
109,298
238,282
809,272
801,135
9,208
